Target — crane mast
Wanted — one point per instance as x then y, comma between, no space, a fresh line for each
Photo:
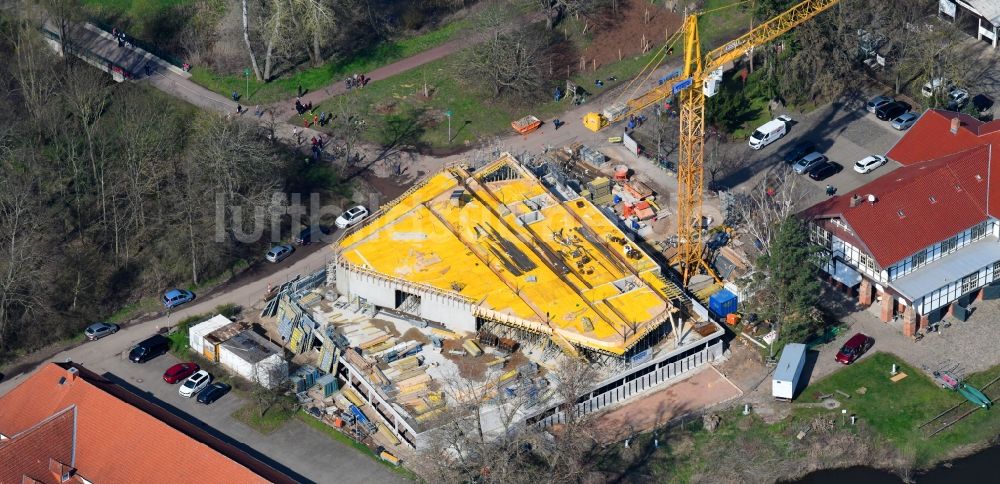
700,79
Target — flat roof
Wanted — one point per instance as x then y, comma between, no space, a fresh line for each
498,238
948,269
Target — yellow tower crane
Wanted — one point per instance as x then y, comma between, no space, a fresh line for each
704,74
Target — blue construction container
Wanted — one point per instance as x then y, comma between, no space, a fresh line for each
722,303
329,384
298,384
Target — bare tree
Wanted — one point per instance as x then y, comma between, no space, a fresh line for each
318,19
507,62
761,209
246,40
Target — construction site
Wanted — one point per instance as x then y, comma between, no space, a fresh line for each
494,272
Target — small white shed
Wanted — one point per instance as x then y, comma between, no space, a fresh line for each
254,358
786,375
197,333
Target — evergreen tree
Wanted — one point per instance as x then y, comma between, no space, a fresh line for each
789,292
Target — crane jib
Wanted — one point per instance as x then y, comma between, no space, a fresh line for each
680,86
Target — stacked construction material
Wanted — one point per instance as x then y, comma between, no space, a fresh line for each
599,190
472,348
592,156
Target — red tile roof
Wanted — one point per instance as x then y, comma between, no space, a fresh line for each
918,205
931,137
27,453
121,437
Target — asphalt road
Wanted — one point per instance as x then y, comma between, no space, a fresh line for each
304,452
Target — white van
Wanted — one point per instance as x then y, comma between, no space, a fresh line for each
770,132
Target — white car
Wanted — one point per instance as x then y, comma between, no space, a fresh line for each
278,253
195,383
869,163
352,216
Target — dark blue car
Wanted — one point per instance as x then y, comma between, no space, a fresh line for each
176,297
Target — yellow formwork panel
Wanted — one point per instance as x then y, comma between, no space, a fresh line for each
429,238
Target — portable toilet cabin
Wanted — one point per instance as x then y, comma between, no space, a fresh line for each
786,375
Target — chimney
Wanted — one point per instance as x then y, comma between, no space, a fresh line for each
955,123
855,200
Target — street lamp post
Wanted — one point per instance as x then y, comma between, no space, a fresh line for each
246,74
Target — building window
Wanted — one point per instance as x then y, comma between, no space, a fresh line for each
970,282
919,259
996,270
949,245
979,231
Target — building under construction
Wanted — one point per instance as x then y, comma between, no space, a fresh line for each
497,251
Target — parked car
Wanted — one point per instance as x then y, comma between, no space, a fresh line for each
278,253
801,149
808,162
869,163
905,120
176,297
825,170
854,348
877,102
352,216
936,84
195,383
957,99
307,234
149,348
179,372
213,392
892,110
99,330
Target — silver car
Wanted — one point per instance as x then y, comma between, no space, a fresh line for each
904,121
97,331
278,253
877,102
808,162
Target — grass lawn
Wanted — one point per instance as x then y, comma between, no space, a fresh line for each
334,71
273,418
474,115
895,410
723,25
344,439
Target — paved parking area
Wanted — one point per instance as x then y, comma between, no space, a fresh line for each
970,346
301,451
844,131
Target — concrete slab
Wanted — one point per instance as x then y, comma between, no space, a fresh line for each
705,388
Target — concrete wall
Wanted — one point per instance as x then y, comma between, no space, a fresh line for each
453,313
667,370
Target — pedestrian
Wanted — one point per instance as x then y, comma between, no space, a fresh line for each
257,111
235,96
556,123
315,119
186,67
114,32
298,134
313,141
321,142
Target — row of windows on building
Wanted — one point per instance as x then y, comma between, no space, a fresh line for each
822,237
941,249
951,292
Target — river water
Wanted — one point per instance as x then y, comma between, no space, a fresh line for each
980,467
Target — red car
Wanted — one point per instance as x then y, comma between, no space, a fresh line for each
854,348
179,372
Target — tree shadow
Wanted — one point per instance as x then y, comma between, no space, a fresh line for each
396,134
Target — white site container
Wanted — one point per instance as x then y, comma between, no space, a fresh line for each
786,375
